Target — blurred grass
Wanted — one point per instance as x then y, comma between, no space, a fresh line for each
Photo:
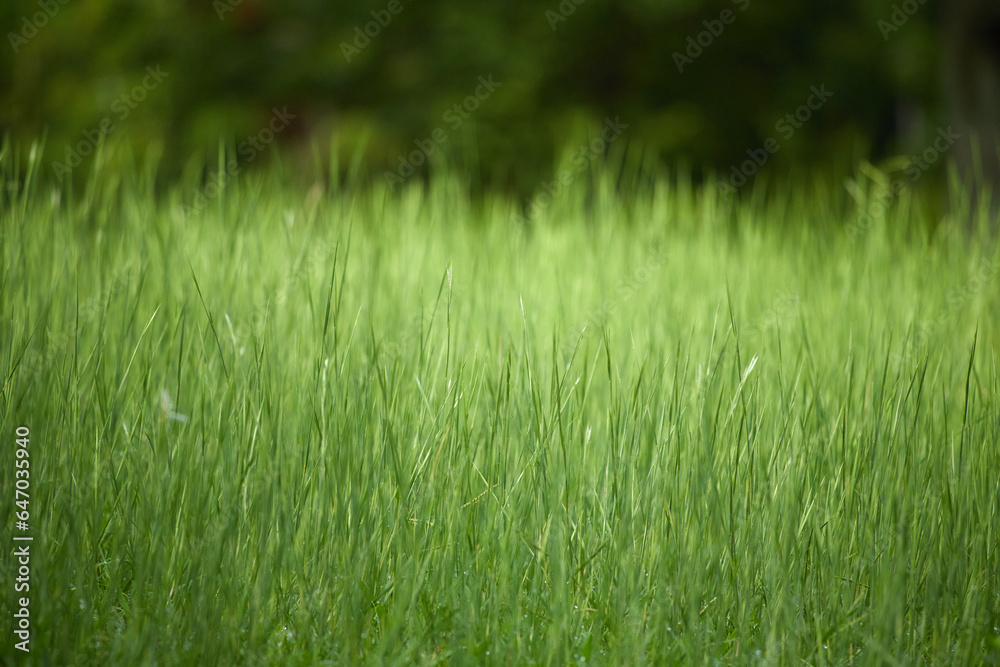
338,424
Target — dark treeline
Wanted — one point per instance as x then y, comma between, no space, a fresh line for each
512,86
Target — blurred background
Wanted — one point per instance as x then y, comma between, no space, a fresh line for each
505,90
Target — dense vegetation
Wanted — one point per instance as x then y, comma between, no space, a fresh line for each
338,423
701,80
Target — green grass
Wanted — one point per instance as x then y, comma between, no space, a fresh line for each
335,425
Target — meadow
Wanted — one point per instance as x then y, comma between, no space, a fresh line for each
328,423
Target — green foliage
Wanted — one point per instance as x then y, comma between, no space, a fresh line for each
231,61
345,425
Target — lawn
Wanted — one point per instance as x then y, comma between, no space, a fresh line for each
328,423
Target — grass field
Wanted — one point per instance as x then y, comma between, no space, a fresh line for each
336,424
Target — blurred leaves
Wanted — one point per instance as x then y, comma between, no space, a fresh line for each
231,61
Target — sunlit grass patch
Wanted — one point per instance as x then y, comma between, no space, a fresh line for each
362,426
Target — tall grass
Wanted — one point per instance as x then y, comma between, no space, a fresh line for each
337,424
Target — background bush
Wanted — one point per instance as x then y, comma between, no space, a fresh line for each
230,62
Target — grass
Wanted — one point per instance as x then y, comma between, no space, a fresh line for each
336,424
